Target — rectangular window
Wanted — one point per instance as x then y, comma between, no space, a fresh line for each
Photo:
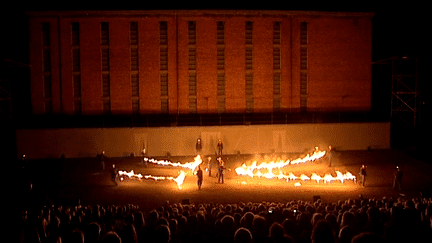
76,64
220,33
106,106
192,58
105,85
248,58
276,33
164,84
46,59
304,33
249,29
75,34
46,34
134,33
135,106
77,107
163,33
105,59
104,33
134,58
47,86
192,32
76,85
276,58
135,85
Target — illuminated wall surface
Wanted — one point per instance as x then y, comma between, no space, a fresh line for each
151,62
180,141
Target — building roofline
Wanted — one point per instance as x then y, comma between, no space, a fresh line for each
222,13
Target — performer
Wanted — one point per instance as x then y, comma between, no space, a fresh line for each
114,174
221,168
219,147
198,146
363,175
330,155
199,175
209,166
102,160
397,182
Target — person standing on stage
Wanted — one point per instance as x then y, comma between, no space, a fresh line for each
397,182
221,168
363,175
209,166
219,148
198,146
199,175
330,155
114,174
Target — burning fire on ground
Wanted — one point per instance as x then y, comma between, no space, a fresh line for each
275,170
269,170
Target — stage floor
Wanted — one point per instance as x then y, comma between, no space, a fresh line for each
73,179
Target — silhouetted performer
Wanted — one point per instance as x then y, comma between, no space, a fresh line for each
114,174
198,146
219,148
363,175
397,183
199,174
102,160
330,155
209,166
221,168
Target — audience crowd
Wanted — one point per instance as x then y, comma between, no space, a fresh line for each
353,220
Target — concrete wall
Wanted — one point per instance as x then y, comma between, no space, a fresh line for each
180,141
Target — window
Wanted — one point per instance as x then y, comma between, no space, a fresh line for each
105,59
135,85
249,28
192,32
106,85
134,33
75,34
76,63
104,33
76,85
134,58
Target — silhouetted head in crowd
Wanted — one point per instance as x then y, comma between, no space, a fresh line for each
77,236
162,234
323,232
111,237
92,232
242,235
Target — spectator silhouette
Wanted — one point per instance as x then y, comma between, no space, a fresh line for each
242,235
92,233
162,234
323,232
111,237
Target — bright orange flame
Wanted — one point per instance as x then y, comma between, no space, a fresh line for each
179,179
190,165
254,170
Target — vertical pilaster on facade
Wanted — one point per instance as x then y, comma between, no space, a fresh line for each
76,68
46,60
134,67
276,66
220,66
249,67
303,66
105,64
163,65
192,67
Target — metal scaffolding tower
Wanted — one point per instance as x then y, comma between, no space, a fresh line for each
405,96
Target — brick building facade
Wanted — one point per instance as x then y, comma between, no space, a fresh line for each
203,61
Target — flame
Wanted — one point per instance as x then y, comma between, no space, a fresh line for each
179,179
254,170
189,165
